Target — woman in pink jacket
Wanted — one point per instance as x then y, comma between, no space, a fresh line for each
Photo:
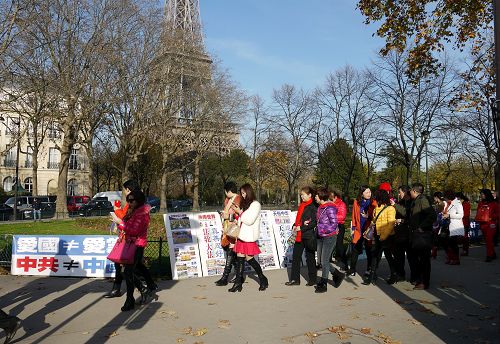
135,225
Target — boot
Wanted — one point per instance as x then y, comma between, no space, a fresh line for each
392,279
128,305
263,282
337,277
370,278
242,276
321,287
238,283
115,292
227,269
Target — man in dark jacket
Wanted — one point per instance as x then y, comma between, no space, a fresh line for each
422,216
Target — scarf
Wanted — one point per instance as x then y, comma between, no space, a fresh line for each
298,219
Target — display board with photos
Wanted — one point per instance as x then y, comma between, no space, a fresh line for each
283,223
209,233
182,236
268,258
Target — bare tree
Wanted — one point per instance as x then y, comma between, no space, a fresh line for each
410,110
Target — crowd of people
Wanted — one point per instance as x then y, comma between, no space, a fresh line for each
405,227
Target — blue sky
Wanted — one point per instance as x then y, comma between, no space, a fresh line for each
267,43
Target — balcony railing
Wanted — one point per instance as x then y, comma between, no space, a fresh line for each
9,162
53,165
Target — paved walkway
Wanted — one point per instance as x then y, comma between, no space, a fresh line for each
462,306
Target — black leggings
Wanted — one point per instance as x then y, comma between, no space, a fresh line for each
139,267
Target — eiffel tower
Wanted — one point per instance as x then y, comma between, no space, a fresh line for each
183,26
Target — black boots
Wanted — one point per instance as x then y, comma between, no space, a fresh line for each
128,305
230,260
263,282
370,278
238,283
321,287
115,292
337,277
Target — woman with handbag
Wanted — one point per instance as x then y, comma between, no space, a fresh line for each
362,212
304,226
383,223
327,230
135,225
246,247
229,218
487,216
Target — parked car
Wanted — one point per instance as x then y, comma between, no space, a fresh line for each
154,203
96,207
110,195
179,204
6,212
74,203
48,210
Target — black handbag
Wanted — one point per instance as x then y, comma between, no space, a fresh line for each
421,240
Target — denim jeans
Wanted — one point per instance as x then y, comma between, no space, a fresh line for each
37,214
326,246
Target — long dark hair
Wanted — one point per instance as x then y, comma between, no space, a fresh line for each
139,200
249,198
382,197
488,195
361,189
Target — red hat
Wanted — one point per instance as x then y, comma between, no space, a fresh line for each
385,186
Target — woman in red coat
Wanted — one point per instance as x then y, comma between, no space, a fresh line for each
487,216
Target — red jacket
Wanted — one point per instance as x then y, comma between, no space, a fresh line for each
466,218
356,223
136,227
341,210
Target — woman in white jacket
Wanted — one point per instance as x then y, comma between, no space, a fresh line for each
246,247
455,212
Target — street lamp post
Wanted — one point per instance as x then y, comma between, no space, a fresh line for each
425,136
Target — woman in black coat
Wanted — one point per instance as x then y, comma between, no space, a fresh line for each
305,223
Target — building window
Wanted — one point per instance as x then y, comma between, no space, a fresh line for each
73,160
72,187
54,132
29,158
10,157
53,158
7,184
11,126
28,184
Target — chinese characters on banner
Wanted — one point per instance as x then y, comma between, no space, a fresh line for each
182,236
62,255
268,258
211,252
283,222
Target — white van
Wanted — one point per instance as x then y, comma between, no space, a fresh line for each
112,196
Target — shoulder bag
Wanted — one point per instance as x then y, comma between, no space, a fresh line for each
421,240
124,251
370,231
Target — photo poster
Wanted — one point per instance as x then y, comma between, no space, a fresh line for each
63,255
182,230
283,223
209,234
268,258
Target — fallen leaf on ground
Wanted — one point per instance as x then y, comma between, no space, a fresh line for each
112,334
377,315
86,332
224,324
414,322
343,335
198,343
212,303
366,330
199,297
353,298
180,340
200,332
280,297
311,335
201,285
337,329
355,316
187,330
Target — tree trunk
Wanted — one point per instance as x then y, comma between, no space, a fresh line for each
62,181
90,152
196,181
